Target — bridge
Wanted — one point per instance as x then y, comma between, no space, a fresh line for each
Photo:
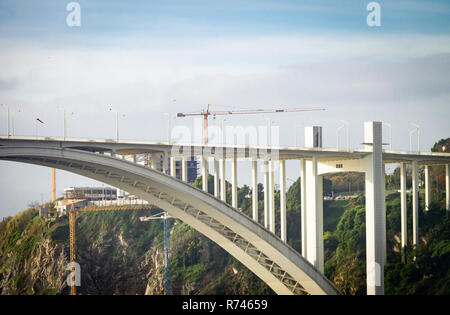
258,247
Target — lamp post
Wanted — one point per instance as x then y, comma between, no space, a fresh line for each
169,135
390,134
418,137
65,120
117,122
269,131
344,124
12,122
7,108
222,131
296,134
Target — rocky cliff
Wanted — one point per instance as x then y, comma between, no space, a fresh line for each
118,254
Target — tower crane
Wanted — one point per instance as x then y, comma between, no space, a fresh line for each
72,236
206,113
163,216
72,232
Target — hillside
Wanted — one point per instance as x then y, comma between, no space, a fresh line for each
119,254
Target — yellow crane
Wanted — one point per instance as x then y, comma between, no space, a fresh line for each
206,113
72,218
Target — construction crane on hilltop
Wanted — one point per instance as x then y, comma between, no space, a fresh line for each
206,113
73,288
163,216
72,218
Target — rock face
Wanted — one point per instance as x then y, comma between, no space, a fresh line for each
117,254
43,270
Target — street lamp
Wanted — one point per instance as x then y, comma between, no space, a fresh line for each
117,122
390,134
12,121
296,134
7,108
65,120
222,131
344,124
169,135
418,136
169,131
269,131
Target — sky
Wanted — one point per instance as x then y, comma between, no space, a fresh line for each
137,57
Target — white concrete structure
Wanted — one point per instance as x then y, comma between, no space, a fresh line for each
303,206
447,186
375,226
216,179
314,215
283,224
403,202
271,195
415,202
234,182
271,259
223,184
173,168
255,190
255,246
184,169
266,193
205,173
384,214
427,187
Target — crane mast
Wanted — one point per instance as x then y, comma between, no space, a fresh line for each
163,216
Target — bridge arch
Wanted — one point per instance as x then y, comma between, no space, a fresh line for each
266,255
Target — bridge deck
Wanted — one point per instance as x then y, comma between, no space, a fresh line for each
125,147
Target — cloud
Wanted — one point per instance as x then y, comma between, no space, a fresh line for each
356,78
41,74
367,75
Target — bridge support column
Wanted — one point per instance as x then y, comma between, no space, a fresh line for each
283,225
266,193
216,178
303,206
153,161
165,156
173,168
255,190
447,187
384,214
234,183
133,158
427,188
314,215
184,169
415,202
403,206
271,198
223,184
374,209
204,173
312,201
